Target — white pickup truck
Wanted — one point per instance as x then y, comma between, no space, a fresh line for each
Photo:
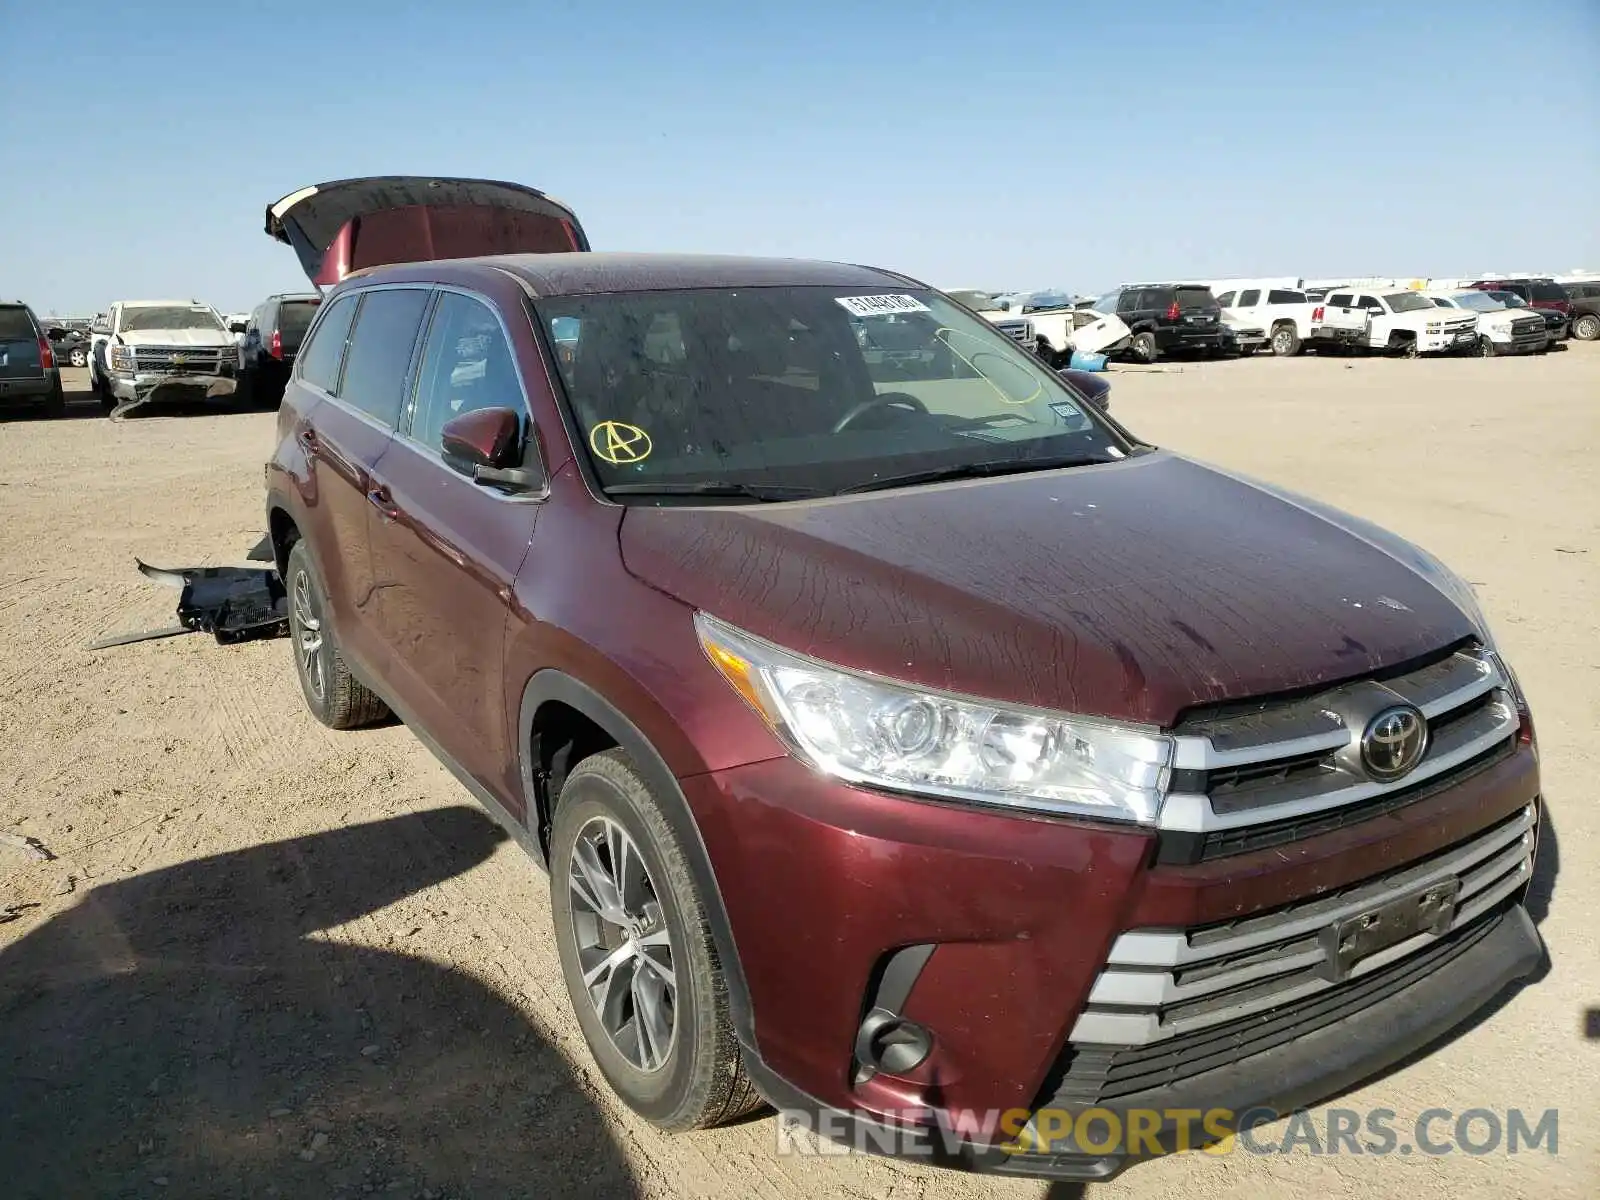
1407,322
1290,320
175,348
1501,330
1054,330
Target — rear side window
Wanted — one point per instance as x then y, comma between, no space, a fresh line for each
1545,290
1247,298
319,365
16,325
1152,298
380,352
1281,296
1368,302
294,318
466,366
1340,300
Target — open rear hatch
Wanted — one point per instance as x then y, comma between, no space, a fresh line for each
340,227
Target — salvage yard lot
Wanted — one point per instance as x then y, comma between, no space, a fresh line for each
271,959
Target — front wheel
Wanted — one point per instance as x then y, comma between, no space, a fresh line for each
1587,327
78,358
1487,348
640,966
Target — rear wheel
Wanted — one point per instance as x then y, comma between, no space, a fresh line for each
335,697
1587,327
640,966
1285,341
56,405
1143,347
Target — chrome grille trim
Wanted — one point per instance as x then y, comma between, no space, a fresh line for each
1158,984
1020,332
1465,697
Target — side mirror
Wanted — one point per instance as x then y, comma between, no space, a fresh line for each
486,446
237,327
1095,387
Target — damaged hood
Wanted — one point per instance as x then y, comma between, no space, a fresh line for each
1131,590
176,337
350,224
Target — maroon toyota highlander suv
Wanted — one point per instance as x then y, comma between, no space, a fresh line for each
901,734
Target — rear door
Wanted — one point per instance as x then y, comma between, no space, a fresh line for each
357,362
295,315
447,550
1198,311
339,227
19,348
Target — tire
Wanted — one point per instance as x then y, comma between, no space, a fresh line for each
334,696
78,358
1587,327
608,813
1144,348
1487,348
56,405
1285,341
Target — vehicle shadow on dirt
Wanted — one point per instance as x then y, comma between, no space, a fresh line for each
191,1032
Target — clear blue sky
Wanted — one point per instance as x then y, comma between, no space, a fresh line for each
986,145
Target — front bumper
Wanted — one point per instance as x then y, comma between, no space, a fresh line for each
143,386
1530,343
1447,342
823,883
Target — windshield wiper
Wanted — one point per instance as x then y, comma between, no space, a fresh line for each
1009,466
715,487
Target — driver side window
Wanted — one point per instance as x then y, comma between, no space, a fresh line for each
466,366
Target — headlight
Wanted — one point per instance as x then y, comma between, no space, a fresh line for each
1435,326
870,730
122,358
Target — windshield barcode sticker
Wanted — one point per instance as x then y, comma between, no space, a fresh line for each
881,306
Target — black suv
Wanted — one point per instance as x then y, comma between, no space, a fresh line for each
271,341
1585,309
1168,318
28,369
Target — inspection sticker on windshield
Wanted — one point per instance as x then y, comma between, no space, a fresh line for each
881,306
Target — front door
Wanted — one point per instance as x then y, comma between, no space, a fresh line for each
446,552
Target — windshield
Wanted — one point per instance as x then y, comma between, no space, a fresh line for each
1509,299
294,318
1544,289
185,317
1047,302
1407,302
16,325
1196,299
808,390
1477,301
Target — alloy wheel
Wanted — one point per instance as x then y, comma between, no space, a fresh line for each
624,947
305,615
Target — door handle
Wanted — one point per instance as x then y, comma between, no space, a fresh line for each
307,438
381,499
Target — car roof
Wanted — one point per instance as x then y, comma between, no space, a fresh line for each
591,272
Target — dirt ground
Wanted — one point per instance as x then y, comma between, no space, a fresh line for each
272,960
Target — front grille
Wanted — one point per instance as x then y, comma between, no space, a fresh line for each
1161,984
1257,775
205,360
1523,327
1100,1074
1020,332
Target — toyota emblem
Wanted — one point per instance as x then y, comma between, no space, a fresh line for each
1394,742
